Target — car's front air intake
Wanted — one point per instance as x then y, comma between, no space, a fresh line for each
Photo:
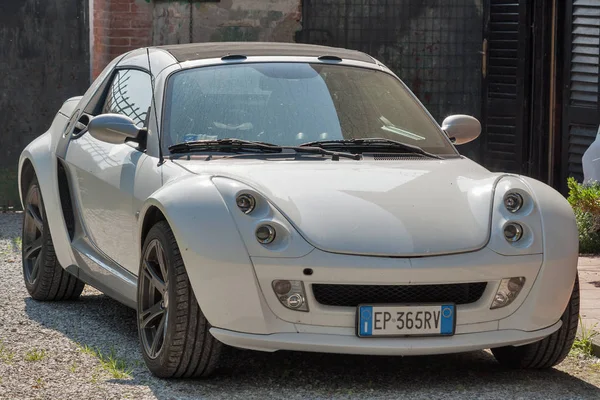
353,295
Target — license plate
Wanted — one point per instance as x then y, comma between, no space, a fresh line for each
419,320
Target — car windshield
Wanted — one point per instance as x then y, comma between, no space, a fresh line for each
289,104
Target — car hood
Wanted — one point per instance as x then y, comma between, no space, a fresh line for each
383,208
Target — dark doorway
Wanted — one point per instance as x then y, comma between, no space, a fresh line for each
44,59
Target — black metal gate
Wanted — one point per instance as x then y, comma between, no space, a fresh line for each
507,85
44,59
433,45
581,103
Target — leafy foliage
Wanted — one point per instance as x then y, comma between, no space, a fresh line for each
585,200
583,343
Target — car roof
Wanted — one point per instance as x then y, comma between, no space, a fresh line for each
199,51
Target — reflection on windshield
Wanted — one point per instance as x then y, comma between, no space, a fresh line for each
293,103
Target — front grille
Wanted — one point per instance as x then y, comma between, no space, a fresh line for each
353,295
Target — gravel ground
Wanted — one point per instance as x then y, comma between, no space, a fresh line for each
42,355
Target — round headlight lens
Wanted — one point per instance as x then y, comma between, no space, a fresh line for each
513,232
265,234
513,202
246,203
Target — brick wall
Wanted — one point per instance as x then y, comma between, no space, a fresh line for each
119,26
123,25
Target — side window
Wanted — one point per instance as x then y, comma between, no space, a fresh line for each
130,94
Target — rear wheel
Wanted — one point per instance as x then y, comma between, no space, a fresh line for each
44,278
549,351
174,333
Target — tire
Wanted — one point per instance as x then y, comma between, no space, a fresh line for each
174,333
549,351
45,279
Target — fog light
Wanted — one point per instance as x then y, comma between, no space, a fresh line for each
513,202
513,232
282,287
246,203
265,234
291,294
295,301
508,291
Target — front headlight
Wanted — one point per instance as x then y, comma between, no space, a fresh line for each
516,227
265,231
245,202
513,201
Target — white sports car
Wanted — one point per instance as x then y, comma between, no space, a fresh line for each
275,196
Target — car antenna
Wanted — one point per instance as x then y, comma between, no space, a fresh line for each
160,154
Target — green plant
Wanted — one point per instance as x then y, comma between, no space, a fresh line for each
39,383
95,376
116,367
35,355
583,343
6,355
585,200
85,349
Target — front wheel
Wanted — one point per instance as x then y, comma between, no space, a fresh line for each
174,334
549,351
44,277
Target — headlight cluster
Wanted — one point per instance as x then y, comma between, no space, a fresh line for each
513,231
291,294
507,292
265,231
516,222
265,234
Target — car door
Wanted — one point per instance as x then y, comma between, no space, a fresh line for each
104,173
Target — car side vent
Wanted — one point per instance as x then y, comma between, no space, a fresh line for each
65,199
395,157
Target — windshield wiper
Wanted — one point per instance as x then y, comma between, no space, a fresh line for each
239,145
370,143
228,145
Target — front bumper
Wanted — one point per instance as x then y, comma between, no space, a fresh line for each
255,319
345,342
481,266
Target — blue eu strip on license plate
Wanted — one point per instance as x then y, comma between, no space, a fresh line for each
417,320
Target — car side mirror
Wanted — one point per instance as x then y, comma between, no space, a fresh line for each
115,129
461,128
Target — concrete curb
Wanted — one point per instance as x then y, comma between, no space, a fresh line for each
596,346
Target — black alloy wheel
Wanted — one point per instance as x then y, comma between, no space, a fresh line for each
45,279
154,299
33,235
175,336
